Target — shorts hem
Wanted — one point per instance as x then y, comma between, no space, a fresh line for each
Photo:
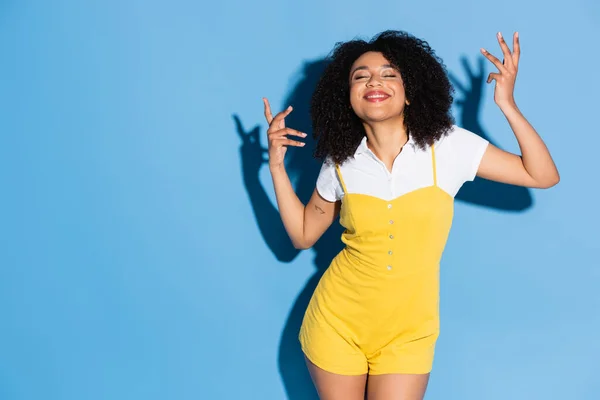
423,371
334,370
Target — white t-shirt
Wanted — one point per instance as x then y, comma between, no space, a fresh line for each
457,157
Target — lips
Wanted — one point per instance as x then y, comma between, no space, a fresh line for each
376,96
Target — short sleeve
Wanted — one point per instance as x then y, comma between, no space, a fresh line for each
328,184
468,149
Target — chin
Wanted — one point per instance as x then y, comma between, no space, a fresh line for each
379,116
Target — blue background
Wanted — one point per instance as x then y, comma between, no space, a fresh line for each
132,264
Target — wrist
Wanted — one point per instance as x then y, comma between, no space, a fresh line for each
508,105
277,168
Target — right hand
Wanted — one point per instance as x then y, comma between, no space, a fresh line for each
277,132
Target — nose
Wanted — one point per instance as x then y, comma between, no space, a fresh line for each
374,81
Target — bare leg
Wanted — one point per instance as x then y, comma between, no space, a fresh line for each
397,386
332,386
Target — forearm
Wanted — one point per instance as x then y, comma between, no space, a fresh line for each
535,155
291,209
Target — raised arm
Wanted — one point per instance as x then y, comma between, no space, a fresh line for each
534,167
303,224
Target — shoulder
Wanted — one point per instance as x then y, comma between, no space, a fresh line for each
460,145
459,154
327,167
328,184
459,140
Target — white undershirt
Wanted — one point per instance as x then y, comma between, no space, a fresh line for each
457,158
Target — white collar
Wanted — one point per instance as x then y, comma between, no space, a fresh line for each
363,148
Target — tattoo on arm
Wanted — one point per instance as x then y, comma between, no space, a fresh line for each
319,209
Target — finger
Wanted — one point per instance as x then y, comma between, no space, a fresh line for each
493,76
287,131
505,50
280,117
288,142
494,60
516,49
268,114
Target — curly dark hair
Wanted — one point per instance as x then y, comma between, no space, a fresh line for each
338,130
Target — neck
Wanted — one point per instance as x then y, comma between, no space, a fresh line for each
386,139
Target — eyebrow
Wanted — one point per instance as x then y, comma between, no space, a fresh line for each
364,67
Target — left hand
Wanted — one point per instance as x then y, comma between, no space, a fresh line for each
507,75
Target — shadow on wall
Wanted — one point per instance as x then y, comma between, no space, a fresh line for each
481,191
303,170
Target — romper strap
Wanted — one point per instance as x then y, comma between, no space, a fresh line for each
433,166
339,172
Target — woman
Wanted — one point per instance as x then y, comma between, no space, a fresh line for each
393,162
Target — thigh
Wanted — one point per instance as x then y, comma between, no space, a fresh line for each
332,386
397,386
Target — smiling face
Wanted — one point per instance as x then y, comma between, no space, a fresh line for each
376,88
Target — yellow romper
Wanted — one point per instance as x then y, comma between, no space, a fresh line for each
376,308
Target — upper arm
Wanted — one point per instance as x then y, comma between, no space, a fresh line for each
475,156
323,206
319,214
501,166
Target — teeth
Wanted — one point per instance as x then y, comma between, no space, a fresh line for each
376,96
